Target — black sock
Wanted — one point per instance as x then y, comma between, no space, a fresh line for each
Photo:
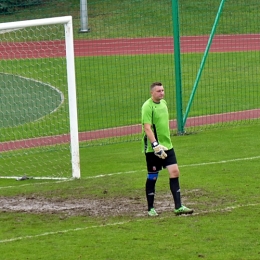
175,189
150,192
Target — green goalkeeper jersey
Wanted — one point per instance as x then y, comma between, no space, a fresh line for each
157,115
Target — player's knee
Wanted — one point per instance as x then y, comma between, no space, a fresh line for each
150,183
152,176
174,174
173,171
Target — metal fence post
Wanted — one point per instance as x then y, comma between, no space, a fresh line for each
177,58
83,16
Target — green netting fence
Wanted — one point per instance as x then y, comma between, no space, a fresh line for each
130,44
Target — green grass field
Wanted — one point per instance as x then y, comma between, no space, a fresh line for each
102,216
121,18
219,179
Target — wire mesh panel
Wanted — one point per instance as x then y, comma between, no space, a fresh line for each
227,92
126,49
34,118
129,45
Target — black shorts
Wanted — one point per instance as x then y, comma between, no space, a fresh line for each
155,164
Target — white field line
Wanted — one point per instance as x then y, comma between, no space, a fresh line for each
118,173
28,184
119,223
182,166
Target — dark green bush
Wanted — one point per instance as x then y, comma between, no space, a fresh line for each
10,6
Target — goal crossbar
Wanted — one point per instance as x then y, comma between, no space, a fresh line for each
36,22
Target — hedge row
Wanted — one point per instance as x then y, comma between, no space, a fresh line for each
10,6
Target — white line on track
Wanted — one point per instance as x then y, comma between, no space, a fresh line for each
118,223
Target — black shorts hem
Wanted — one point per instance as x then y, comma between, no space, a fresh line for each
155,164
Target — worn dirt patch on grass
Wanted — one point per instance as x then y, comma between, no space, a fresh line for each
135,206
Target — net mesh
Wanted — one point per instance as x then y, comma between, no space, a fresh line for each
34,119
128,46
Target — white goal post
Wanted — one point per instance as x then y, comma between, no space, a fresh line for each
71,81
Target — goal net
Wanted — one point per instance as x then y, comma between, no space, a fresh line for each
38,111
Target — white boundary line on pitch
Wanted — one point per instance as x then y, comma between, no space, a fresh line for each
224,161
118,173
118,223
181,166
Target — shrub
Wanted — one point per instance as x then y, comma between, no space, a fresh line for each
10,6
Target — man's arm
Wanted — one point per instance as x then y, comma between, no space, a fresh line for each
159,150
149,132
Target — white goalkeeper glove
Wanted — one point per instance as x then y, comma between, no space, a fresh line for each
159,150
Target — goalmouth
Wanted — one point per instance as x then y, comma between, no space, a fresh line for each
38,98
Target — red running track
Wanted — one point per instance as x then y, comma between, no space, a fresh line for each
135,46
126,130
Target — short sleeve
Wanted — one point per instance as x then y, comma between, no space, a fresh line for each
146,114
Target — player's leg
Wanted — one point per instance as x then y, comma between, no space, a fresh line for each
174,173
153,167
150,191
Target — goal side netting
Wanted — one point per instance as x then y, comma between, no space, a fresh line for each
38,104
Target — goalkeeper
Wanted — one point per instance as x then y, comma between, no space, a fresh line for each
158,149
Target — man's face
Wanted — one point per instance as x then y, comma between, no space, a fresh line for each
157,93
